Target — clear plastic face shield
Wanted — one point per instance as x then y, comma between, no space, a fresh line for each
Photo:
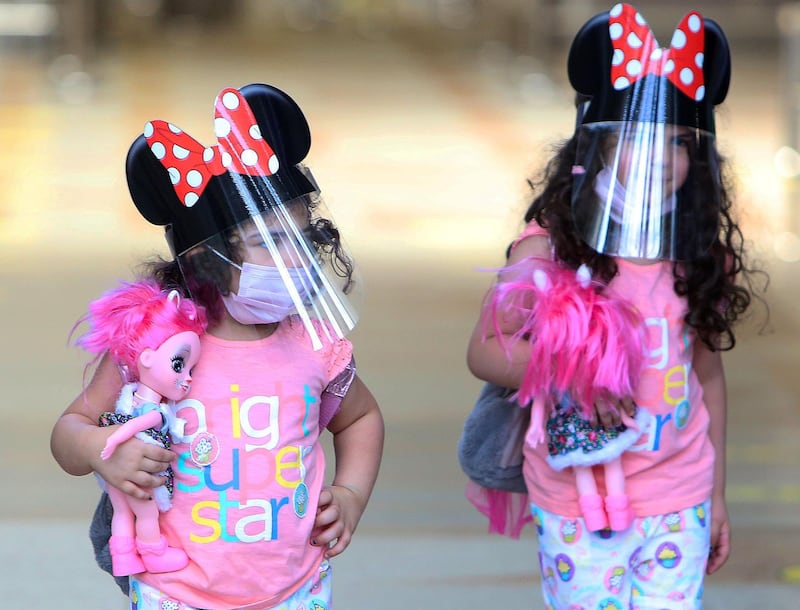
285,261
637,187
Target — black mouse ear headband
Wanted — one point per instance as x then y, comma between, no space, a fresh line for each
616,62
197,191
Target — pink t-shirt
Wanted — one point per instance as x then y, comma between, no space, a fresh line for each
249,475
671,467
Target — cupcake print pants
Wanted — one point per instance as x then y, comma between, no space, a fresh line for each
656,564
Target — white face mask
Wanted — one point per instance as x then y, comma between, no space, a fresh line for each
263,298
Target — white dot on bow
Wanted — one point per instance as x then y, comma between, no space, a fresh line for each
174,175
634,67
695,23
148,129
194,178
669,66
656,54
699,59
634,41
174,128
678,39
179,151
274,165
208,154
639,19
158,150
700,93
687,76
222,127
255,132
621,83
226,159
618,57
616,10
230,100
250,157
615,30
190,199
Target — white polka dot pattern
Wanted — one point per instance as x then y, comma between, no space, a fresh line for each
240,149
636,52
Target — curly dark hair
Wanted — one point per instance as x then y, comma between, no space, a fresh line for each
205,276
717,284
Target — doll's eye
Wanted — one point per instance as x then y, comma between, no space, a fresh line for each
178,363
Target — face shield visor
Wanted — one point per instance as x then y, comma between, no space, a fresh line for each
637,190
244,218
646,178
285,261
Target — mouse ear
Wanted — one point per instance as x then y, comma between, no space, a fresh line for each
589,61
716,62
149,184
283,125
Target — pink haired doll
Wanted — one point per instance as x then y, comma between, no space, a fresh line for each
586,345
154,338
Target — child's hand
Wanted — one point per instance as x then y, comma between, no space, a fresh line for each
720,536
132,466
608,413
338,513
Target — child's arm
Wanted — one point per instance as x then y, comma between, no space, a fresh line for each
358,445
77,440
487,356
710,372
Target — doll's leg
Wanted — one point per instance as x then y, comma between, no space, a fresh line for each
125,559
590,501
156,555
618,506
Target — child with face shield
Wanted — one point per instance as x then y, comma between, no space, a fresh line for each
635,201
253,246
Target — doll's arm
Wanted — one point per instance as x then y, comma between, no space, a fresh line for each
711,374
358,445
151,419
536,431
77,440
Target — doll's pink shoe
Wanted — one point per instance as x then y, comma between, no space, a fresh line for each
620,513
124,558
159,557
594,513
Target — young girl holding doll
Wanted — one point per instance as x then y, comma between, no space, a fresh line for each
251,509
637,195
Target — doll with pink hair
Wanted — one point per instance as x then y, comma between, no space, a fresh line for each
586,346
154,338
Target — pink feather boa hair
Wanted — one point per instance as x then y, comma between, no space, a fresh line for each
584,340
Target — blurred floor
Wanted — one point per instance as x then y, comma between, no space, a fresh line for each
423,158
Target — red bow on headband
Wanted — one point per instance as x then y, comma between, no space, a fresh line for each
636,51
240,148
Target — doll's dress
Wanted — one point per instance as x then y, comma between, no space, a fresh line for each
163,436
573,441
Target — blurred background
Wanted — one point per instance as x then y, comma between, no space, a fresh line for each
427,118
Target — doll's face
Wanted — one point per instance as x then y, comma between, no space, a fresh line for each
661,155
168,369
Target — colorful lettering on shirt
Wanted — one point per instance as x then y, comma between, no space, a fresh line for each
238,510
670,386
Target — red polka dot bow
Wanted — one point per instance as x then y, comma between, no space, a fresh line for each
240,149
636,52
